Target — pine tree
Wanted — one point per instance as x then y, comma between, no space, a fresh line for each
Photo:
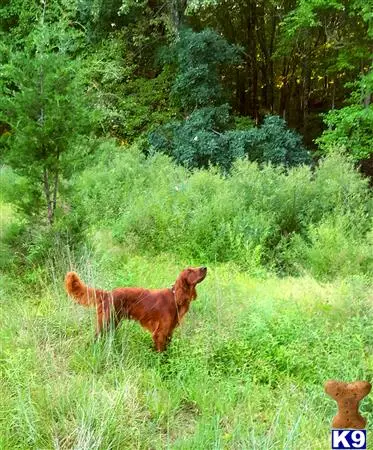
42,104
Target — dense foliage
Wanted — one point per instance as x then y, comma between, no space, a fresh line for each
263,219
186,80
206,134
255,217
350,128
205,137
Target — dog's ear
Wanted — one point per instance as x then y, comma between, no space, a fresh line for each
182,289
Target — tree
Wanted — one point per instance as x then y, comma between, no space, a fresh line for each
351,128
297,54
199,58
197,140
206,134
42,103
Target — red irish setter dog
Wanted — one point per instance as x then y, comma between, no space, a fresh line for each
157,310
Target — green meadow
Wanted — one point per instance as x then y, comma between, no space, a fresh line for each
245,369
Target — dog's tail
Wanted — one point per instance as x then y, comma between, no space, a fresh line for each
83,294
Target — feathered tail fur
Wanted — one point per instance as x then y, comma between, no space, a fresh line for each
83,294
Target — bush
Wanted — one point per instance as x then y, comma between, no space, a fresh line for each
334,248
271,142
204,138
199,140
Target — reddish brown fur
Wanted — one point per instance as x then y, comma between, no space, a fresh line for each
157,310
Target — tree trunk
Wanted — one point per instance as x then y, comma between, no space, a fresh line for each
55,188
177,10
252,62
47,193
50,192
367,96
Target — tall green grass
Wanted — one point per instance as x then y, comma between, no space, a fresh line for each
245,370
302,220
264,219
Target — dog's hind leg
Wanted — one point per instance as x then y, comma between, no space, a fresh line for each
103,318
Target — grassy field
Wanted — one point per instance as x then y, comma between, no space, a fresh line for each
245,370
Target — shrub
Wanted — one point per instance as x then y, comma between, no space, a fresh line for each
334,248
254,217
204,138
271,142
199,140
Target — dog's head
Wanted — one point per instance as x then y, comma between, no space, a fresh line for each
192,276
185,286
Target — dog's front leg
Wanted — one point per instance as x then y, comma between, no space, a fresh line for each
160,341
168,339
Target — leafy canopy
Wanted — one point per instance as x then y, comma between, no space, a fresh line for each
351,128
198,57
